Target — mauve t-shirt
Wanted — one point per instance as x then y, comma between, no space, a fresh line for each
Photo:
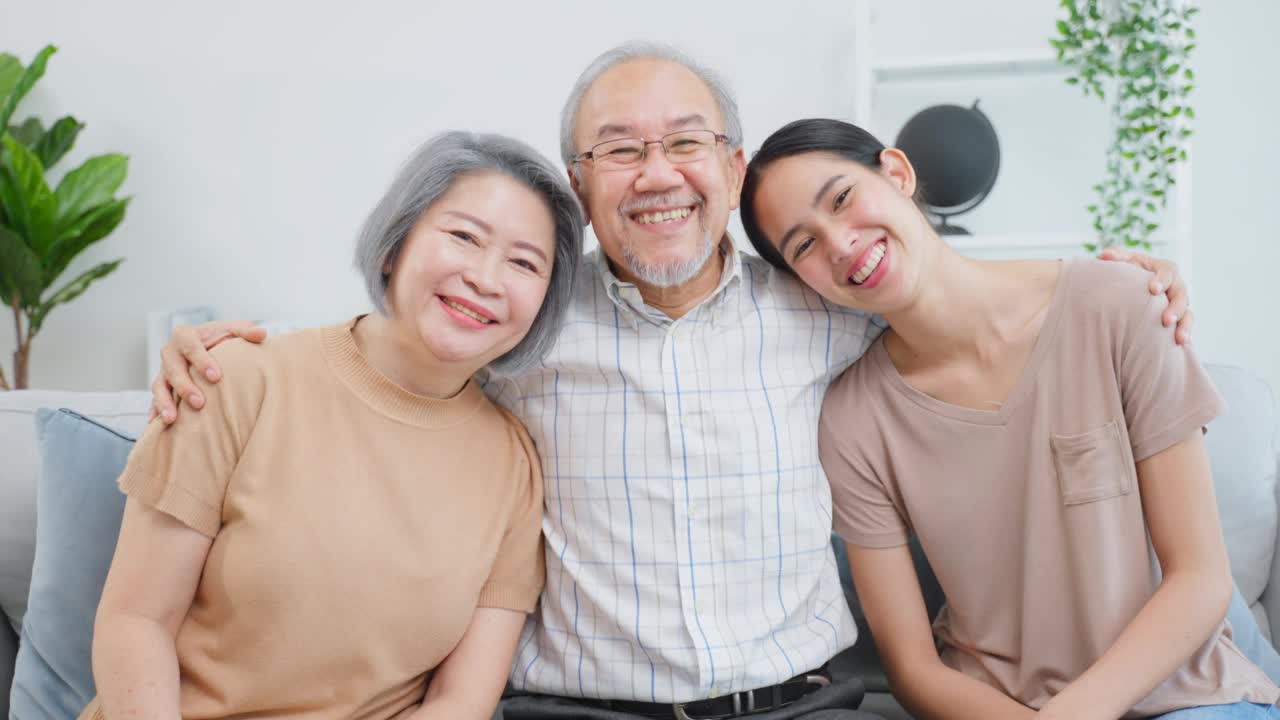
1031,515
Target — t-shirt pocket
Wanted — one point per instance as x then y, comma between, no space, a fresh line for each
1092,466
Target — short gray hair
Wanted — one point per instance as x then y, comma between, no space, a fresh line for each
640,50
429,174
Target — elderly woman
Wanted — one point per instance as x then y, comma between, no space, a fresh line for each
351,529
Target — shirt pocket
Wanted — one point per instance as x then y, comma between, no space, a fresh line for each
1094,465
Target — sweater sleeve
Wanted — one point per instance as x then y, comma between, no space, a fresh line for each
519,570
183,470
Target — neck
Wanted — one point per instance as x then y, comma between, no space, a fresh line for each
677,300
406,362
965,308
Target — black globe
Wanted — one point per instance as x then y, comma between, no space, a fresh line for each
956,155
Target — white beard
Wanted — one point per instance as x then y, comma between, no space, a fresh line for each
671,274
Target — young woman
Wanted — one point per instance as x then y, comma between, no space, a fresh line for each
1032,422
351,529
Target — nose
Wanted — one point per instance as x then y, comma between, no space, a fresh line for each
657,173
483,274
840,243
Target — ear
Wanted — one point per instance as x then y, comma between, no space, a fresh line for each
578,190
897,169
737,175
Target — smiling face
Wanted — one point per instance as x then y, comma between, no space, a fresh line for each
473,271
660,221
850,232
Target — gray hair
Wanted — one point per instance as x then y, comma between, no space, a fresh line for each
640,50
429,174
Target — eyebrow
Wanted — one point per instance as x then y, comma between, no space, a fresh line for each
817,198
489,229
683,121
471,219
531,248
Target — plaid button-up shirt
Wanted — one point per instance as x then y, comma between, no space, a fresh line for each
688,521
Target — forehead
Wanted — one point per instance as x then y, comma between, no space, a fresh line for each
787,189
644,95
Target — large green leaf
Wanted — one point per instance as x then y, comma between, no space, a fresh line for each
19,270
96,224
71,291
29,205
29,132
10,73
30,75
55,143
86,187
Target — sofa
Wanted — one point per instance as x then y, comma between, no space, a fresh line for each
1244,446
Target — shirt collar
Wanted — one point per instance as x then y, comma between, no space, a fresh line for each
627,296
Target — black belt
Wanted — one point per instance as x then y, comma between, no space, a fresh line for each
746,702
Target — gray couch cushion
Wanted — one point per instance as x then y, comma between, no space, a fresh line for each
77,522
1241,445
124,411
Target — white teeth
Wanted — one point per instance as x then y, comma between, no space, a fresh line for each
665,216
873,261
466,311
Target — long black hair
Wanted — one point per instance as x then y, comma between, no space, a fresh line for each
813,135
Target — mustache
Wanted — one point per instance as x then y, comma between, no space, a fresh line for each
638,203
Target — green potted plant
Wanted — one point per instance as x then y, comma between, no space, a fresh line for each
42,229
1135,56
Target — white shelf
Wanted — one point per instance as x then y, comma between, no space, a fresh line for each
1057,241
968,65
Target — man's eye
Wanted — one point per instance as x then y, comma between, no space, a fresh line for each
622,153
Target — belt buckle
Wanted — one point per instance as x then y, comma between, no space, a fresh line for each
678,709
818,679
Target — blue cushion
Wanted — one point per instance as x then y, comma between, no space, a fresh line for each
78,512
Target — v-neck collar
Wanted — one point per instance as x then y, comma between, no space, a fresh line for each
1026,380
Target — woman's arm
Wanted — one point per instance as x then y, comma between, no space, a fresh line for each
469,683
1182,518
153,577
890,595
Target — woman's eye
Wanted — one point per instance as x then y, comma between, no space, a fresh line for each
804,245
463,236
526,265
841,198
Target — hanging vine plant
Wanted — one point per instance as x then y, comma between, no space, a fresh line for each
1135,56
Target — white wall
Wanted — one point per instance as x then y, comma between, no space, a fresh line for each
260,133
1237,186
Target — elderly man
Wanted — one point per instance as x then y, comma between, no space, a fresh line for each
689,567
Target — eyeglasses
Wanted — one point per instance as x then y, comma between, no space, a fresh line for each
685,146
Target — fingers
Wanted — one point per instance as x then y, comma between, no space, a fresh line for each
1166,280
1167,276
1182,335
162,404
175,374
197,359
243,329
196,342
1115,253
